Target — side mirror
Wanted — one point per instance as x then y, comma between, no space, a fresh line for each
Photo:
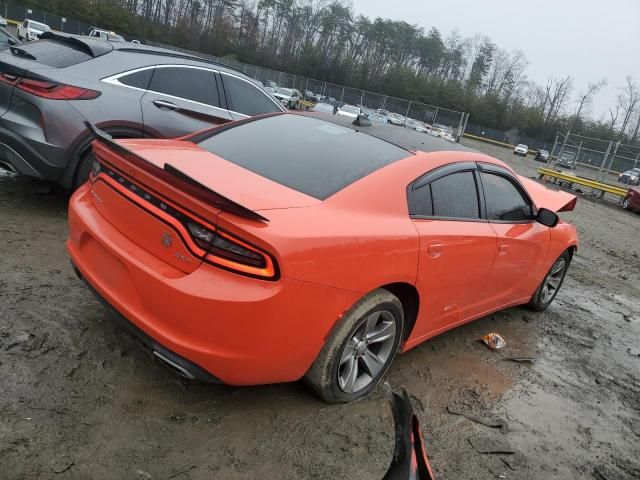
547,217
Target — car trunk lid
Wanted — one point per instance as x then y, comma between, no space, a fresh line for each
155,191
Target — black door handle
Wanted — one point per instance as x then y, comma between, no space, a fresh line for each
165,105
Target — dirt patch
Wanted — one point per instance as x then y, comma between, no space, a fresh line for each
80,398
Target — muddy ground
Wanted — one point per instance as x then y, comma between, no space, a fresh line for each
80,398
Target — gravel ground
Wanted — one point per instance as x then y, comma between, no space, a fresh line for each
80,398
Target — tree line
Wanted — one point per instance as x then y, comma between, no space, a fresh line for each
326,40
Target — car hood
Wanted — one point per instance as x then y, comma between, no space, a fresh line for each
543,197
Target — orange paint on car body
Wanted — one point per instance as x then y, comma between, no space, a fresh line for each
267,326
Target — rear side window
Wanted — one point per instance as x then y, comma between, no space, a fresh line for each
504,200
55,54
246,98
195,84
455,196
139,79
420,201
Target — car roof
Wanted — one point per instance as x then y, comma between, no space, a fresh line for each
318,158
97,47
402,137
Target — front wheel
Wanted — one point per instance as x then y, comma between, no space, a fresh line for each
551,284
626,203
359,350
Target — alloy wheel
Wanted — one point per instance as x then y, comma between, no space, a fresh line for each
625,203
367,352
553,280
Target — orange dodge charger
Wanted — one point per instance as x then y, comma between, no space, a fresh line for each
285,247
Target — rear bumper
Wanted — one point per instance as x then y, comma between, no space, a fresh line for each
238,330
183,366
29,156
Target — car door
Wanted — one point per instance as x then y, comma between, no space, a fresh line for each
522,242
182,99
245,99
457,247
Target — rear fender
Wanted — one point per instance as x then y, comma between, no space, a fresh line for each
82,145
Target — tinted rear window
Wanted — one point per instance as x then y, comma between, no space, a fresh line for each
55,54
306,154
138,79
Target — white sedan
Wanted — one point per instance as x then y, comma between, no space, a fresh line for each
521,149
349,111
287,96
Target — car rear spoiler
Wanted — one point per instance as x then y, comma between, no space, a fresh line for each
185,182
543,197
92,46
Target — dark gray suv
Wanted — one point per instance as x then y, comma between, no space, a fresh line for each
50,87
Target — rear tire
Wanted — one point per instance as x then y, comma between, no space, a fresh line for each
83,169
553,280
359,350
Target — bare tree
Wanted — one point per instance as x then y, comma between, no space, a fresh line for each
586,98
629,99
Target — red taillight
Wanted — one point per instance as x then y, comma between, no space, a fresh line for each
55,91
213,245
50,90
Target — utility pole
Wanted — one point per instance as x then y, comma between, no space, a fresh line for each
613,157
407,114
604,161
553,150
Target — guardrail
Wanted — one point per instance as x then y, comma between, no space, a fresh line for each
568,180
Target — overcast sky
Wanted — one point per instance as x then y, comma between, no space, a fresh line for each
587,39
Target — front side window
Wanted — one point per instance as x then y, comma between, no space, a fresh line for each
504,200
246,98
195,84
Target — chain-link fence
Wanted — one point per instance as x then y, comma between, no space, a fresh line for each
512,137
18,13
596,159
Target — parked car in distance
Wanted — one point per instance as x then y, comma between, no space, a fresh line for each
630,177
106,35
31,30
310,96
378,119
396,119
420,127
541,156
3,21
349,111
130,90
567,160
288,97
632,200
521,149
203,245
6,39
322,107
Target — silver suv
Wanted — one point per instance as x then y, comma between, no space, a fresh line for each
50,87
